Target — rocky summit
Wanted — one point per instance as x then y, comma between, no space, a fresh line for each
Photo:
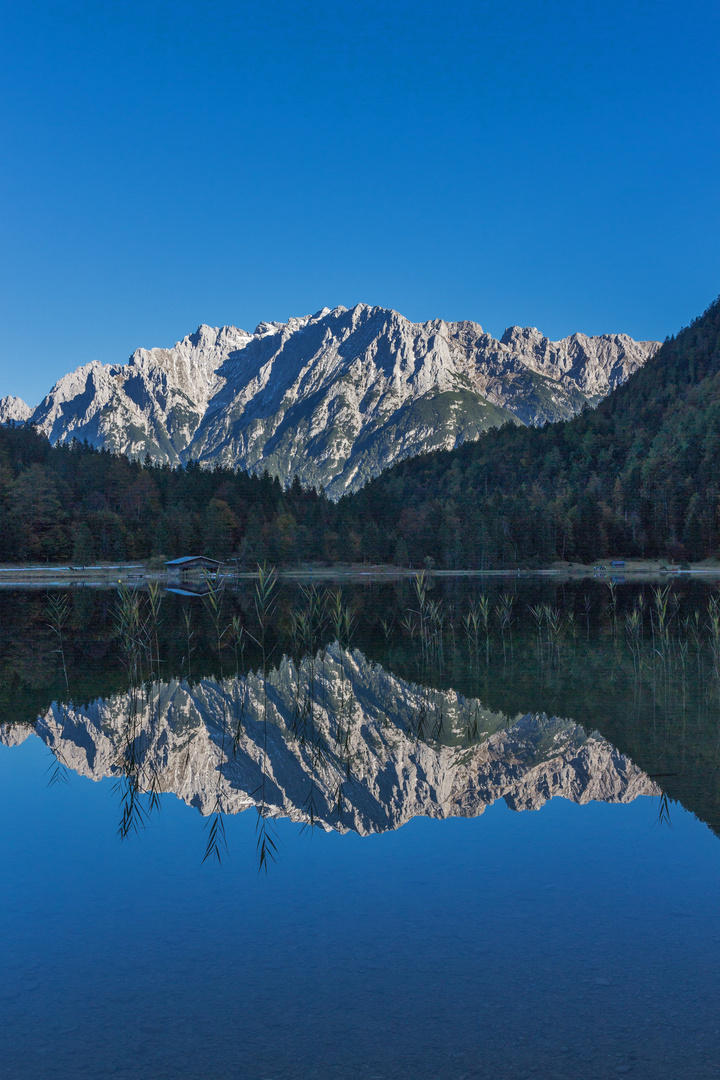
14,410
333,398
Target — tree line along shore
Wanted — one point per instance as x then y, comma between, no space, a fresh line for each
637,478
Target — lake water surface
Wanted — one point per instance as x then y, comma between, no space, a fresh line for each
434,829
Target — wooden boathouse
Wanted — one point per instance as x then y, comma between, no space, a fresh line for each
191,567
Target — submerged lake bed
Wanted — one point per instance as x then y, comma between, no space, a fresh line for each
489,855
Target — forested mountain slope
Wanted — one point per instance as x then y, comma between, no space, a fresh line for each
639,475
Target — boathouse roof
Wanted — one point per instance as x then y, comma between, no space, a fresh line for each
192,560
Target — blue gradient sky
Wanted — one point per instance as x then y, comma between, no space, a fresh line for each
551,163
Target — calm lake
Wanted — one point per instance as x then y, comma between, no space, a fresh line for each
433,828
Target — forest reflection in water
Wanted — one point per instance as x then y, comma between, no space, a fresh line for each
356,709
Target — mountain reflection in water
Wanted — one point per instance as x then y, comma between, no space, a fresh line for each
577,942
338,742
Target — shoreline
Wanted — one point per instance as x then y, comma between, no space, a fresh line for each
138,573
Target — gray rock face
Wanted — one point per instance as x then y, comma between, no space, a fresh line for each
14,409
153,404
335,397
542,380
345,744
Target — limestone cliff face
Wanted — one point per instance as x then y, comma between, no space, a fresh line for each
541,380
335,397
344,743
14,409
153,404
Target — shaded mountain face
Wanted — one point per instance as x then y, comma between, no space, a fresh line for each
346,745
333,398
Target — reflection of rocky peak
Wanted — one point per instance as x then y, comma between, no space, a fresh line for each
408,750
564,760
14,734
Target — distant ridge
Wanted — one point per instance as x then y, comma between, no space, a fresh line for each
334,398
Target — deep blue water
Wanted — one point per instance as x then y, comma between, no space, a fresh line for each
575,941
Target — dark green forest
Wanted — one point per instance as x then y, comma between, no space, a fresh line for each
73,502
638,476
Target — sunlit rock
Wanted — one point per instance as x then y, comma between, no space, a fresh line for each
333,398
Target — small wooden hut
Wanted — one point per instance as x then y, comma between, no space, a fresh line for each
191,567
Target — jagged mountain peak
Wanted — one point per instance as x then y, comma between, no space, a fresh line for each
513,334
14,410
201,352
333,397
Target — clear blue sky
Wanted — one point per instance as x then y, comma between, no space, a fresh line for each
548,162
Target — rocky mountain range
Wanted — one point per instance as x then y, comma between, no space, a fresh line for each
348,746
333,398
